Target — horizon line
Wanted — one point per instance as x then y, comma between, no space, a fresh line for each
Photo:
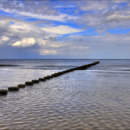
64,59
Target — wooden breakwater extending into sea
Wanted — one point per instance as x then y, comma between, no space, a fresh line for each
36,81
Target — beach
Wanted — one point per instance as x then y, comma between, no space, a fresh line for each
96,98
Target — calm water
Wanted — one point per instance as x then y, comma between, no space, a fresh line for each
97,98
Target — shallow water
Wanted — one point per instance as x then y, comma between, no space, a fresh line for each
98,98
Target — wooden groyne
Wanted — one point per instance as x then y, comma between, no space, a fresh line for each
30,83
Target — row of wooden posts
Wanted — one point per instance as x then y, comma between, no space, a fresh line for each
30,83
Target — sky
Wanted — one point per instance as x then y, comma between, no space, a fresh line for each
64,29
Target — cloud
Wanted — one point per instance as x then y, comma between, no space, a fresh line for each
100,46
61,6
118,17
62,29
24,34
42,42
20,33
104,41
25,42
48,52
20,27
93,5
36,26
54,45
59,17
4,38
105,14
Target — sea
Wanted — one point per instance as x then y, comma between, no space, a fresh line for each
97,98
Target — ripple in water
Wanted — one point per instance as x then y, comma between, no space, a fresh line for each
81,100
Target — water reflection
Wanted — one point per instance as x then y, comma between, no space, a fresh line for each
13,77
80,100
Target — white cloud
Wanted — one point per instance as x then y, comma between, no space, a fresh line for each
48,52
25,34
4,38
104,15
62,29
60,17
97,15
118,17
93,5
42,42
120,1
61,6
107,39
25,42
18,27
57,45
